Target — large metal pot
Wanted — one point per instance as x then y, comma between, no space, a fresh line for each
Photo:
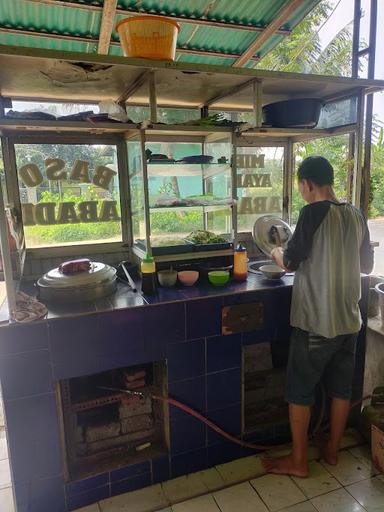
297,113
94,284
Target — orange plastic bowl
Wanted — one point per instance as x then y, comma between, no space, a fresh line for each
149,37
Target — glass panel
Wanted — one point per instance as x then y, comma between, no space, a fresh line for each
335,149
69,193
136,183
259,184
186,194
339,113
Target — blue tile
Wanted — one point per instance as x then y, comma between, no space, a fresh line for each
130,484
130,471
186,360
25,374
18,338
223,389
88,498
33,437
123,337
222,453
252,337
203,318
77,347
189,392
163,324
187,434
223,352
228,419
160,469
189,462
38,495
87,484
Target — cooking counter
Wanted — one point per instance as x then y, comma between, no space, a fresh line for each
124,297
184,330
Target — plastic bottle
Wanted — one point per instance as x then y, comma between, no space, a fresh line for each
148,275
240,263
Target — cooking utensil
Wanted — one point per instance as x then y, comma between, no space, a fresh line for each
296,113
129,278
94,284
263,233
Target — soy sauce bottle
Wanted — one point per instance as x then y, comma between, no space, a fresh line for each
148,275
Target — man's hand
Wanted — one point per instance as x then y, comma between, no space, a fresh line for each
277,254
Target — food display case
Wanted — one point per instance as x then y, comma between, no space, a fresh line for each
182,193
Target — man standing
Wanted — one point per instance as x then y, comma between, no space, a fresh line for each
328,250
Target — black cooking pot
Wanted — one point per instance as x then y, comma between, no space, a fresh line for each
298,113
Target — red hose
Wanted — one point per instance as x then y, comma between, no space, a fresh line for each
212,425
234,439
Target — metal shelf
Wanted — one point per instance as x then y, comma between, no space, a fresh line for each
205,208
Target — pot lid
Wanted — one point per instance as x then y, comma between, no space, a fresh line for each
267,230
99,273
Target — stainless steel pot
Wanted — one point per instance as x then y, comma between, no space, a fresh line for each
98,282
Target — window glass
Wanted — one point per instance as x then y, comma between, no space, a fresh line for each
259,184
69,193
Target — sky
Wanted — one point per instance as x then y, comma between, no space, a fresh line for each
342,15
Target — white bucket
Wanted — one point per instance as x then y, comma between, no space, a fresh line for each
380,290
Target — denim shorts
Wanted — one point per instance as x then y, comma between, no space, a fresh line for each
313,358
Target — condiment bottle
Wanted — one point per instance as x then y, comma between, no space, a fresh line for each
148,275
240,263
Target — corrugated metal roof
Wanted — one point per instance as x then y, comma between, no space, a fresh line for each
75,25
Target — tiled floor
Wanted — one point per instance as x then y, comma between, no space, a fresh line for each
6,497
240,486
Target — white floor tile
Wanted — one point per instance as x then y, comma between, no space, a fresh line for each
90,508
3,448
203,503
143,500
241,469
211,478
5,474
6,500
369,493
184,487
277,491
336,501
363,455
300,507
239,498
348,470
318,482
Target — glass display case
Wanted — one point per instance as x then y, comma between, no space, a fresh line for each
181,194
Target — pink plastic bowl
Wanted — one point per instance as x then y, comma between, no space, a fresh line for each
188,277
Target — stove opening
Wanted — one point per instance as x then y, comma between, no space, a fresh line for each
110,420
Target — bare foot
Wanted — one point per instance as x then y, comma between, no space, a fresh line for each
329,454
285,466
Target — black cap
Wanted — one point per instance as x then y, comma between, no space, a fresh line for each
317,169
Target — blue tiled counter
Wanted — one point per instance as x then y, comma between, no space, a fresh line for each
204,371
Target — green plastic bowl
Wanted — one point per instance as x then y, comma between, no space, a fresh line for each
218,277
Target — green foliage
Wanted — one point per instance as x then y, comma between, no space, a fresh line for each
66,233
174,222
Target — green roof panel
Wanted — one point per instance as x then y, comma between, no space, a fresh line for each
74,25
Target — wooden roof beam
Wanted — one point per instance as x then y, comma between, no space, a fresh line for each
107,26
282,16
229,92
135,12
